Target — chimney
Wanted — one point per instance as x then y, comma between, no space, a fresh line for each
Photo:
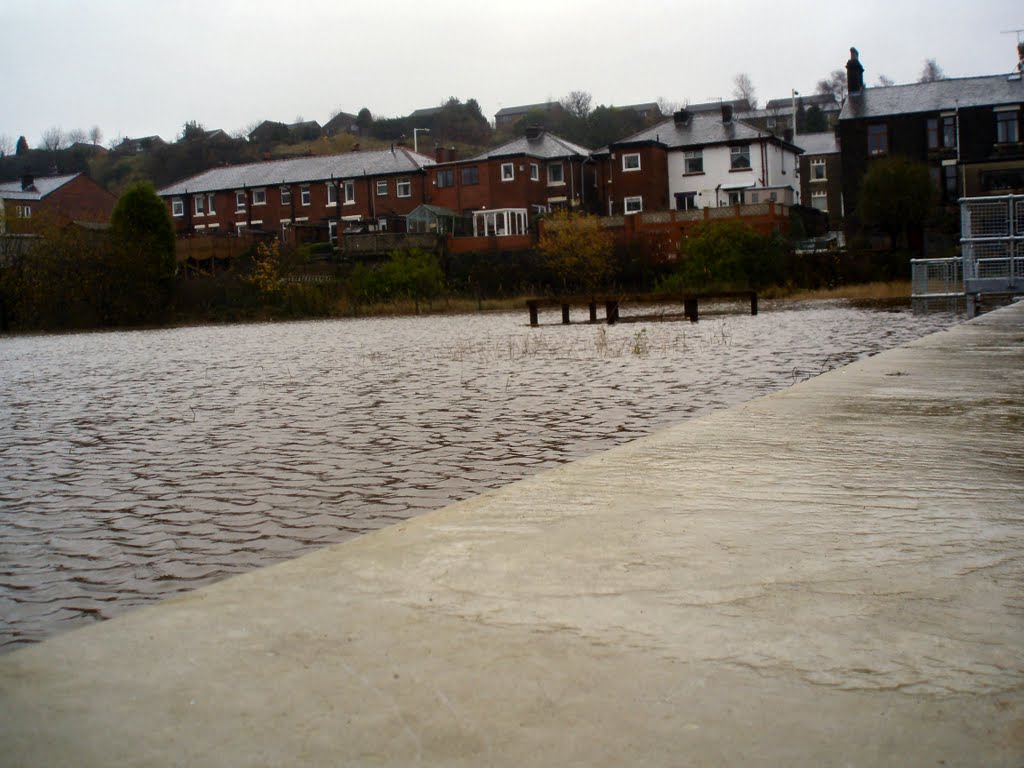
28,182
534,132
682,117
453,154
726,113
854,73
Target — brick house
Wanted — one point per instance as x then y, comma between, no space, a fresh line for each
821,174
26,204
311,192
696,160
501,189
967,130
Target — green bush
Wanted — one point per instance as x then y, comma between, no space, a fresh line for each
727,255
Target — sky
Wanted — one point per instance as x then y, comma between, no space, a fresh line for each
143,67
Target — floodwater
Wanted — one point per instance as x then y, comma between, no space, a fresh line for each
137,465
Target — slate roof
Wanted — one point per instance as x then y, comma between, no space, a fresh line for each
990,90
700,131
546,146
824,143
299,170
524,108
425,112
41,187
823,100
738,105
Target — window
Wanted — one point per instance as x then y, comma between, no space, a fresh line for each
686,201
304,194
950,191
382,187
286,195
259,197
240,200
1006,127
556,174
693,162
200,205
942,132
631,162
508,172
736,198
534,172
332,193
332,232
404,187
209,205
755,197
470,176
819,201
177,208
740,158
878,140
818,170
445,178
633,204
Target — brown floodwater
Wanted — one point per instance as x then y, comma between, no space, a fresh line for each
137,465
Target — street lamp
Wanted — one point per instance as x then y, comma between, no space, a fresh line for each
416,138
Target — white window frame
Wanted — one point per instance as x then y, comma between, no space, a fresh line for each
382,187
636,202
332,194
209,204
286,195
259,196
817,164
693,156
631,162
304,194
560,181
332,232
240,201
508,172
534,172
820,196
739,152
1015,124
403,187
177,208
199,205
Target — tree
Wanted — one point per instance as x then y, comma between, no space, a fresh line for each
142,224
193,131
364,120
744,89
53,139
668,107
815,120
896,196
6,145
76,136
577,104
885,82
727,254
931,72
576,250
95,135
835,85
21,147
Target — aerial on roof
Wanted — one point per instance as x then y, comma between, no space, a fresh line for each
699,130
302,169
990,90
541,144
34,188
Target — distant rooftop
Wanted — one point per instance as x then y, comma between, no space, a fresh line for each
990,90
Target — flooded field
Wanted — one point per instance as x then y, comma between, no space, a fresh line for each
137,465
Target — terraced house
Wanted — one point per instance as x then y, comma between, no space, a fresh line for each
319,193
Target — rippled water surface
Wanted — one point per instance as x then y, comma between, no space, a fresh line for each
136,465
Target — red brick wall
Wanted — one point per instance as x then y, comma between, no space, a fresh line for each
520,192
81,199
650,182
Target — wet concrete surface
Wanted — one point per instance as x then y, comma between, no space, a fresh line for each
139,465
827,576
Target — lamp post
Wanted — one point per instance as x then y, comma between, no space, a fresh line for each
416,138
795,94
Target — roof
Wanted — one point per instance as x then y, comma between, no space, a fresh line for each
824,143
436,210
525,108
738,105
301,169
426,112
989,90
651,106
823,101
545,146
41,187
701,130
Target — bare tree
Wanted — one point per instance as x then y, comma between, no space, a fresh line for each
6,145
76,136
667,106
835,85
743,88
885,82
931,72
95,135
577,103
54,139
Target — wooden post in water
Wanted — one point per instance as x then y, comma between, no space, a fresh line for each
565,314
611,311
593,311
753,302
690,308
534,320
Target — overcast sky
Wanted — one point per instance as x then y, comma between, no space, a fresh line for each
142,67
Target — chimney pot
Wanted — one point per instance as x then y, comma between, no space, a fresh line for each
727,113
854,73
682,117
28,181
534,132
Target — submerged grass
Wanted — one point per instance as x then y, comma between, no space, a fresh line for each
894,289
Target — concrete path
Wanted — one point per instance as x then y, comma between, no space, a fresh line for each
833,575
